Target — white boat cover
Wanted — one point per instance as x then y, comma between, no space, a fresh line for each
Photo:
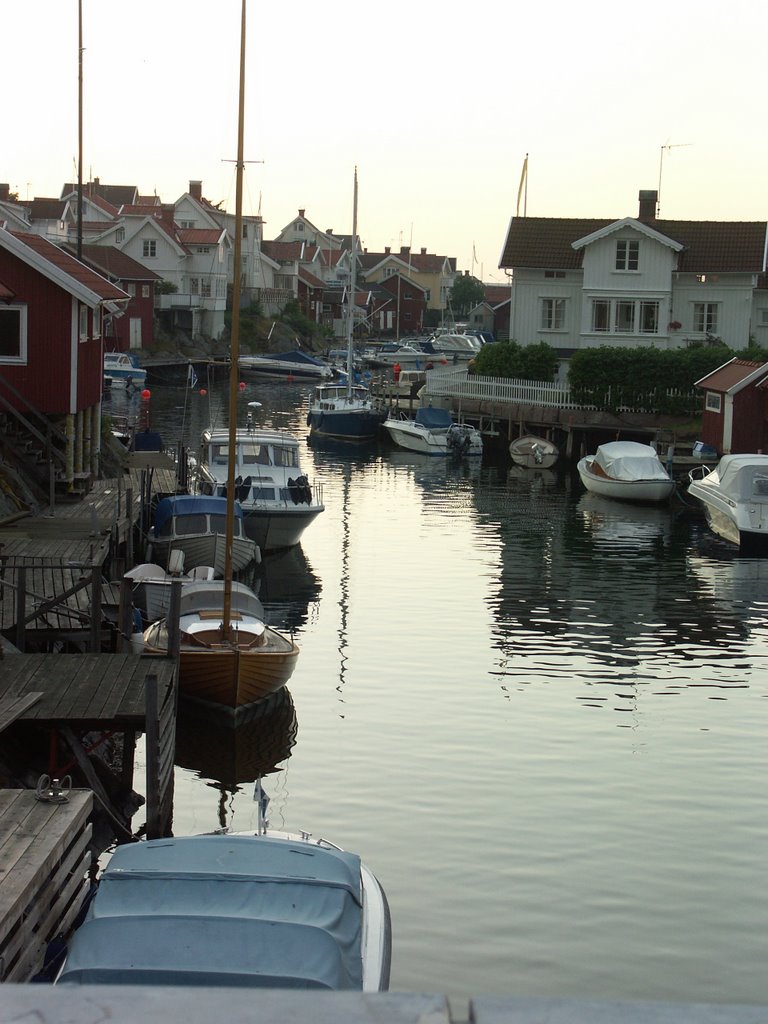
630,460
742,477
223,910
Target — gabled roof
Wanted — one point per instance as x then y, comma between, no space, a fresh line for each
201,236
708,246
420,262
310,279
288,251
114,263
61,268
734,375
497,294
641,227
116,195
47,209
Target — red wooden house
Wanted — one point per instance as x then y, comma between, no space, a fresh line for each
406,312
735,416
52,312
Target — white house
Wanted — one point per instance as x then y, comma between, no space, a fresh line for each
638,281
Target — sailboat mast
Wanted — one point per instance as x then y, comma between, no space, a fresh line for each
351,295
235,337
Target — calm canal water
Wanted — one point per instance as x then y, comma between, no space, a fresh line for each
540,717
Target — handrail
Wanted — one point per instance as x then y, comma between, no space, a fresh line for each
52,432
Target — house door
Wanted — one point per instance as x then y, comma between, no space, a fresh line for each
135,334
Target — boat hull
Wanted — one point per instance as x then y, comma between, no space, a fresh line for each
407,435
624,490
274,529
361,424
207,549
533,452
744,525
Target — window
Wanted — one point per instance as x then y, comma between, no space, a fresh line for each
245,230
552,314
83,323
203,248
120,235
131,288
627,255
187,224
13,334
554,273
763,317
145,291
407,296
96,323
649,318
713,401
299,225
149,248
601,315
194,286
389,272
705,317
625,317
205,287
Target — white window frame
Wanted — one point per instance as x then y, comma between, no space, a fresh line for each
611,309
120,235
706,317
21,358
96,322
713,402
131,289
552,314
652,307
83,322
145,291
148,248
628,255
763,314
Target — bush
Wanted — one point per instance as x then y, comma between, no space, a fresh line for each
518,362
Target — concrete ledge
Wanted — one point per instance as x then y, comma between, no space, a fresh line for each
508,1010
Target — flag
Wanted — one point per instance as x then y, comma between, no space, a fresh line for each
191,376
523,183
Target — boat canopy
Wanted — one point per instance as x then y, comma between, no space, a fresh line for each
744,477
296,356
208,595
223,910
434,419
630,460
191,505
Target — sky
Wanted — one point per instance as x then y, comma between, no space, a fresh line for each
436,104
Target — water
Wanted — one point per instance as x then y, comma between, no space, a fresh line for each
540,717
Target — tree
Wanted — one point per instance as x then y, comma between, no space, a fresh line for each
466,293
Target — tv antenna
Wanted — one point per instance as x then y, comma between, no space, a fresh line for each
667,145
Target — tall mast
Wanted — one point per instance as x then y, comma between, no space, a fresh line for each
80,129
235,338
351,295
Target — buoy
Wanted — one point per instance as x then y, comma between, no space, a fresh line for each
241,385
203,391
146,393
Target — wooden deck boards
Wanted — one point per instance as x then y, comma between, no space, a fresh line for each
96,690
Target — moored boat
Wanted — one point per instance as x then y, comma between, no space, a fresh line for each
122,370
434,432
734,497
233,668
534,452
295,365
196,525
626,471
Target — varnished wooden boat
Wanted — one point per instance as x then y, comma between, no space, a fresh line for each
250,663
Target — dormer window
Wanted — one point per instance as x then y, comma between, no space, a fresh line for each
627,254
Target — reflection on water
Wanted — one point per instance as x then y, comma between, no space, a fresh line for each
541,717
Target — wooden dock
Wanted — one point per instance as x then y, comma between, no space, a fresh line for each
44,874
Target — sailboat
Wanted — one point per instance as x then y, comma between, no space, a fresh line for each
345,410
227,653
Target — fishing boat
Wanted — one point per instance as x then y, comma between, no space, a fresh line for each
262,909
295,365
345,411
197,526
434,432
122,370
734,497
626,471
226,656
277,499
533,452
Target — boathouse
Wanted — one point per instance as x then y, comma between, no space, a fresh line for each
735,415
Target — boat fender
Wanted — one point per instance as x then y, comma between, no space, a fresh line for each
293,490
305,491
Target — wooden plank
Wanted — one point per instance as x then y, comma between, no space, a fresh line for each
12,708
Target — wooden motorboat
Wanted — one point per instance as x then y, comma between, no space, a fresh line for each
534,452
626,471
734,497
196,525
433,432
261,909
233,667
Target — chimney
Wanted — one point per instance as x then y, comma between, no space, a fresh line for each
648,201
196,190
301,213
5,191
423,251
329,231
387,250
405,250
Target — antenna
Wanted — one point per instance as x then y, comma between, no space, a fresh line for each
667,145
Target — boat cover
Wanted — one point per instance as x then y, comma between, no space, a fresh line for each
434,419
191,505
743,477
296,356
630,460
208,595
223,910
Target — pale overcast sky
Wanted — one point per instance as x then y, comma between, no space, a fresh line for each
436,103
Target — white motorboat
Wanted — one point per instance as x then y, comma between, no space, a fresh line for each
455,347
151,586
533,452
197,526
277,499
295,365
433,432
627,471
122,370
734,496
261,910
